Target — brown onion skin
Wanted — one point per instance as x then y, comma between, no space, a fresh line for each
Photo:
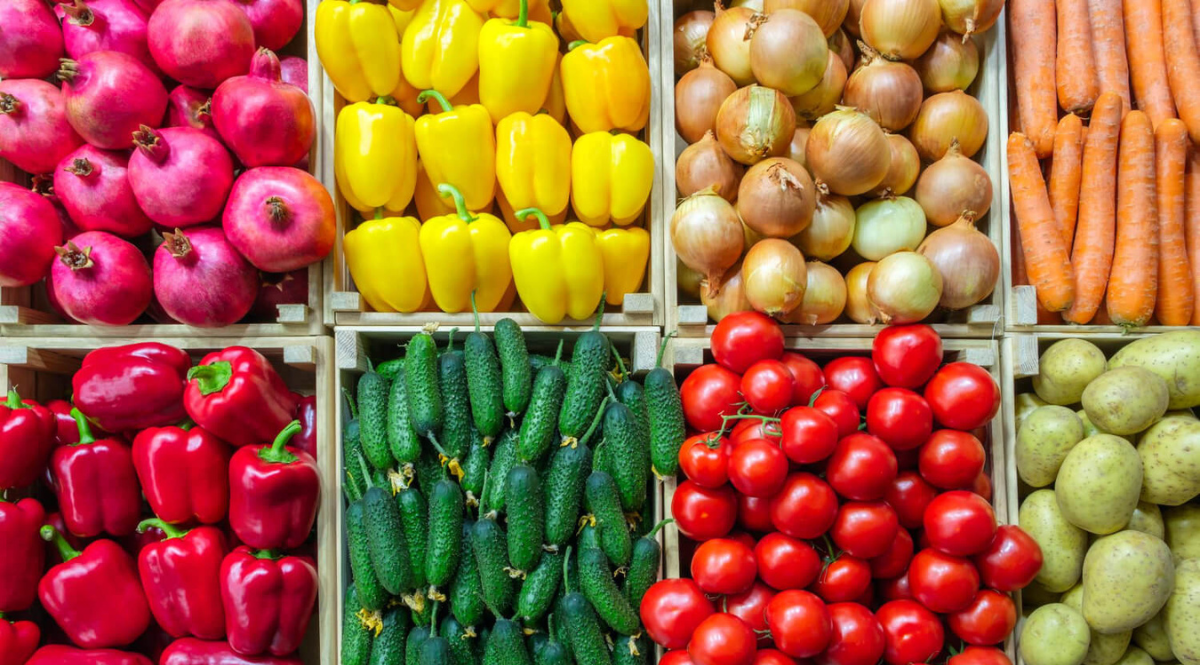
904,287
853,15
900,29
967,260
952,63
946,117
796,147
952,187
729,299
707,235
968,18
704,164
698,97
824,297
727,45
690,34
776,198
858,305
688,280
774,276
889,92
828,14
848,152
839,43
825,97
831,231
904,169
755,123
788,51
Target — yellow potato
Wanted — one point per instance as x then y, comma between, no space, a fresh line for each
1063,544
1098,485
1126,400
1126,580
1183,531
1170,452
1065,369
1174,356
1135,656
1152,636
1181,616
1102,649
1054,634
1043,441
1147,518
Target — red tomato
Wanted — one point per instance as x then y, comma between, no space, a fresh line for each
767,386
861,468
895,588
867,598
910,495
865,529
754,428
806,375
754,513
960,523
1011,561
708,393
951,459
744,338
742,537
751,606
772,657
704,459
671,610
983,486
785,562
906,356
680,657
723,639
855,376
857,637
843,580
942,582
804,508
963,396
980,656
913,633
894,561
900,417
809,435
989,619
702,513
841,407
907,459
799,623
723,566
758,468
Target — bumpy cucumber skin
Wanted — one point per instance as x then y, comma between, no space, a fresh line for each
541,420
485,384
421,379
585,386
517,376
628,455
370,592
412,646
568,469
466,591
462,645
372,419
455,438
506,645
504,458
602,458
414,516
386,541
540,588
596,580
551,652
667,429
525,531
604,503
537,362
435,651
474,468
388,648
351,449
356,639
623,655
631,394
582,630
446,507
401,437
491,554
643,570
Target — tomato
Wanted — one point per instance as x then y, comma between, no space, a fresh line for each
906,356
772,657
910,495
702,513
754,513
843,580
704,459
785,562
751,606
913,633
855,376
861,468
960,523
708,393
951,459
809,435
942,582
742,537
896,588
754,428
679,657
857,637
723,639
900,417
980,656
671,610
807,377
894,561
1011,561
758,468
799,623
841,407
865,529
723,566
744,338
963,396
767,386
867,597
907,459
989,619
983,486
804,508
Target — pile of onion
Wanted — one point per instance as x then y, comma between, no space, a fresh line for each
848,152
967,17
831,230
858,305
887,225
890,92
691,31
698,98
952,187
731,298
755,123
950,64
945,118
707,235
727,44
900,29
796,148
824,298
904,169
776,198
967,261
904,287
828,14
705,165
839,43
687,280
788,51
774,276
825,96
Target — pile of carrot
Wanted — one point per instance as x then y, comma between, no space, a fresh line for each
1108,103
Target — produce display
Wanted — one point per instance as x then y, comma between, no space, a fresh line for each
828,174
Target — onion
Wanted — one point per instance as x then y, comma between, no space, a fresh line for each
889,92
691,31
852,24
823,98
727,43
698,97
967,261
858,305
777,198
730,299
950,64
824,297
945,117
755,123
750,237
967,17
756,5
848,152
905,287
831,230
788,51
703,165
889,225
952,187
707,235
905,167
828,14
774,276
840,44
796,147
686,279
900,29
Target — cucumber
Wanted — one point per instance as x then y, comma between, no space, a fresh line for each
466,591
604,503
390,369
541,420
581,627
370,592
429,470
445,536
386,540
490,544
525,531
421,379
484,383
631,394
627,455
474,468
540,588
506,645
435,651
388,648
643,565
455,438
596,580
664,407
373,416
356,636
461,640
537,362
585,387
412,647
601,460
504,458
414,518
631,650
355,484
550,651
421,608
568,469
517,376
401,437
589,536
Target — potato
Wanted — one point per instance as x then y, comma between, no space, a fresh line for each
1170,452
1025,404
1102,649
1174,356
1152,636
1054,634
1135,656
1147,518
1183,531
1063,544
1035,595
1181,615
1043,441
1065,369
1126,400
1090,429
1126,580
1098,485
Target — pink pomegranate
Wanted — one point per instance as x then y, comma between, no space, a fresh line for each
189,107
279,288
279,218
106,25
180,176
201,280
157,314
201,42
34,132
100,279
275,22
109,95
29,230
147,6
264,121
93,186
295,71
32,42
43,186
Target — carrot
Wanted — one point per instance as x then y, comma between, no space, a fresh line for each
1133,282
1108,45
1192,226
1044,316
1196,19
1183,63
1074,65
1147,62
1093,248
1065,173
1175,297
1033,35
1046,260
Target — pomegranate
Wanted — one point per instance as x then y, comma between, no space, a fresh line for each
201,42
32,42
43,185
295,71
180,176
275,22
201,280
29,230
106,25
92,185
264,121
34,132
189,107
279,288
279,218
109,95
100,279
147,6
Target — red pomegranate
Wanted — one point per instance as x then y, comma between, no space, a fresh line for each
275,288
275,22
295,71
201,280
34,132
280,218
180,176
93,187
106,25
109,95
32,42
201,42
100,279
264,121
29,230
189,107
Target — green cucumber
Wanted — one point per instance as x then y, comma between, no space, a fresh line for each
445,535
631,650
490,544
455,438
422,608
525,531
627,455
631,394
540,588
506,645
484,382
517,376
355,484
466,591
664,407
356,635
504,458
370,592
401,437
550,651
390,369
537,362
414,517
581,627
474,468
373,416
429,470
386,540
589,536
596,580
585,386
604,503
601,459
540,421
388,648
412,647
568,469
421,379
461,640
643,565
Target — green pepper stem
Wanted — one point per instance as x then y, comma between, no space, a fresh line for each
460,203
85,429
278,453
266,554
437,96
52,535
187,424
576,44
386,100
14,400
523,17
211,378
154,522
543,220
378,213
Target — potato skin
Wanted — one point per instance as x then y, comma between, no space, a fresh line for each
1103,649
1043,441
1148,518
1135,656
1170,452
1174,356
1063,544
1099,482
1126,580
1054,634
1181,615
1065,369
1183,531
1126,400
1152,637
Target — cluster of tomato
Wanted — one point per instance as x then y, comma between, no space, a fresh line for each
861,504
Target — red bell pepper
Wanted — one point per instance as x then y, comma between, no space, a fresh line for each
22,556
268,601
94,595
182,579
26,439
191,651
66,431
59,655
273,493
132,387
184,473
18,640
237,395
306,413
55,520
96,484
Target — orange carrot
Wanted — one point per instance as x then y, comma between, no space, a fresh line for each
1192,226
1074,64
1147,62
1183,63
1032,33
1046,260
1108,45
1133,282
1044,316
1175,297
1065,173
1196,19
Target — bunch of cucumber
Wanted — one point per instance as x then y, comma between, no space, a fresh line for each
499,510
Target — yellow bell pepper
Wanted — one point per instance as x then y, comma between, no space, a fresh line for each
533,162
458,146
515,225
625,253
404,5
440,50
597,19
556,103
516,64
612,176
466,253
401,17
384,257
539,10
607,85
559,271
376,153
430,204
358,48
466,97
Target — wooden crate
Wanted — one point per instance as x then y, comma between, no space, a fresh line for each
42,370
344,306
